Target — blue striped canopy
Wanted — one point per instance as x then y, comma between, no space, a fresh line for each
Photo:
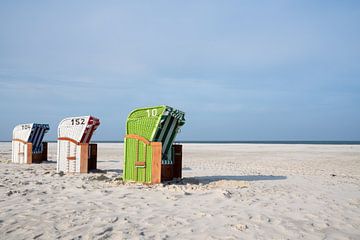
36,136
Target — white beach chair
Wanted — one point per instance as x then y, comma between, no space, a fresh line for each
27,143
74,153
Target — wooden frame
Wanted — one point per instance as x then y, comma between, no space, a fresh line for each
88,157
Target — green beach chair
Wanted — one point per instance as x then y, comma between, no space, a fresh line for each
150,155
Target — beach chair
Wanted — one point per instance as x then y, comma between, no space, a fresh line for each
27,143
75,154
150,155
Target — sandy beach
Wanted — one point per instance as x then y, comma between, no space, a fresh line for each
229,191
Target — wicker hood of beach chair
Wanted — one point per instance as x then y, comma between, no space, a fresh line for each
75,154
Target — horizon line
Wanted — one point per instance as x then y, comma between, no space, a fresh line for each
335,142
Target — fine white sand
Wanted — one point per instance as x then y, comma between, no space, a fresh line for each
234,191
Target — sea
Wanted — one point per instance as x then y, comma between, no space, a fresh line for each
259,142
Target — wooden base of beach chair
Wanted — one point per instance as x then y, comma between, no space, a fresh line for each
171,171
88,157
36,157
40,157
165,172
177,161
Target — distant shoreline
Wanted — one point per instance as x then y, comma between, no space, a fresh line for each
250,142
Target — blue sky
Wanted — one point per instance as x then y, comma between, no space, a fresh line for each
241,70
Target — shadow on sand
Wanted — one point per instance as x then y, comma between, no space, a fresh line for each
114,170
109,161
209,179
118,171
48,161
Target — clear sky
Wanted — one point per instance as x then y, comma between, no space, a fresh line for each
241,70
